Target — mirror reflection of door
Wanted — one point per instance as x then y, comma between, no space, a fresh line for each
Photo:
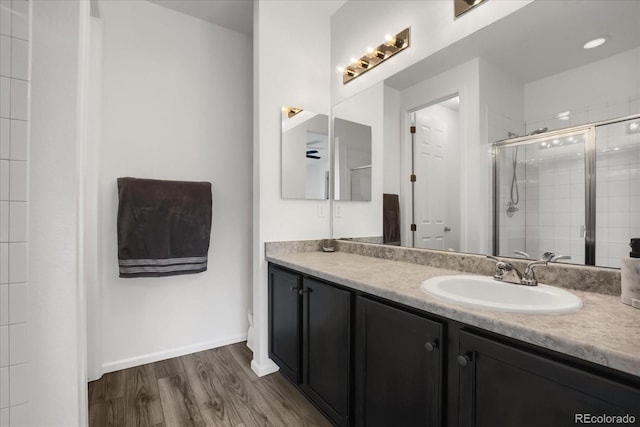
436,204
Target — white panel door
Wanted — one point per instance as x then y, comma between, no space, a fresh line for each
430,186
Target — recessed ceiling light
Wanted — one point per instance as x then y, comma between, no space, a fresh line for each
595,43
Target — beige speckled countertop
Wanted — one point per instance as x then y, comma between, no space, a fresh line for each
604,331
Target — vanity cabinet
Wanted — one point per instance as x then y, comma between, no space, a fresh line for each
500,384
398,367
310,339
412,368
284,321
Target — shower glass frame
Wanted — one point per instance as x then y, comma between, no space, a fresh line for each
589,131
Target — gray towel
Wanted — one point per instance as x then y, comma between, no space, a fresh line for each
390,219
163,227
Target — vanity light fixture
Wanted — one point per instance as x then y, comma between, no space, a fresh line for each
291,111
462,6
376,56
595,43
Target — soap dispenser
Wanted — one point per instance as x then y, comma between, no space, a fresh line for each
630,272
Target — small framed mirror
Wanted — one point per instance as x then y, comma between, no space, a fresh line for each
305,154
352,145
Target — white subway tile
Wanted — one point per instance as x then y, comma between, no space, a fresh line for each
5,138
17,262
4,263
619,235
19,147
614,262
4,221
5,17
561,247
4,387
4,179
19,99
18,305
20,415
4,417
19,59
619,219
18,214
4,304
5,97
20,19
5,56
19,384
18,181
18,343
4,346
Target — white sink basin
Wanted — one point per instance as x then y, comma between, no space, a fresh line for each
489,294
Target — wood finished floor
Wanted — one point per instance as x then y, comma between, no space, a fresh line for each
211,388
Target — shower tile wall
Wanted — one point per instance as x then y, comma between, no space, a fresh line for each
499,127
555,200
512,227
617,190
14,206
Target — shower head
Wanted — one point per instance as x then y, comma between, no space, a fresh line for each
537,131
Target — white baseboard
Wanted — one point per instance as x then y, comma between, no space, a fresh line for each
168,354
269,367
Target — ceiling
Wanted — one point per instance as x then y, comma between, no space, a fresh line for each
539,40
235,15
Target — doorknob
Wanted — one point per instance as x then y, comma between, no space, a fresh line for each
447,228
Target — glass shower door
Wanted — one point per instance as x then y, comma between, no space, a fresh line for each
540,196
617,190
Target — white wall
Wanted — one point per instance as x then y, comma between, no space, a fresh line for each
14,206
176,105
57,368
291,67
353,218
463,80
598,91
391,145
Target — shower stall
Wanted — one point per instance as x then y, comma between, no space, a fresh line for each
574,191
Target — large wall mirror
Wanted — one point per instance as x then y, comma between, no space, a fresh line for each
517,82
305,154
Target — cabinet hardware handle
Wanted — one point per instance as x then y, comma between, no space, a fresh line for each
463,360
304,291
431,345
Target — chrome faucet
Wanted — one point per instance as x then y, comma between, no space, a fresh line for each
506,272
529,277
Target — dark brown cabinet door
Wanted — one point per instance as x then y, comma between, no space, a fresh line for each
398,361
501,385
284,321
326,348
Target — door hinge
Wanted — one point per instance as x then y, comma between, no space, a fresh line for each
413,178
412,129
413,227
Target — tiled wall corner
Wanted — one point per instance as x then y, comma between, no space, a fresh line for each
14,208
